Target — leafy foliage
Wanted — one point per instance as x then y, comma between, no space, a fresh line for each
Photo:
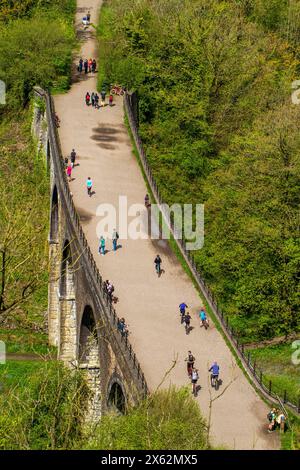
23,224
47,413
36,50
169,419
214,83
13,9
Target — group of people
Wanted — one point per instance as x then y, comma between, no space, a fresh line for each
194,375
185,317
115,237
69,164
87,65
93,99
276,420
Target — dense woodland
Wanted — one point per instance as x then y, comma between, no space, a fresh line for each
216,118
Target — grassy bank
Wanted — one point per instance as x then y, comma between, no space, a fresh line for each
277,364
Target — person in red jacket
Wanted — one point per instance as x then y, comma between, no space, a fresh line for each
69,172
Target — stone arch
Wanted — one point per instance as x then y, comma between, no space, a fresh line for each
54,219
88,339
54,270
116,396
68,325
89,361
66,272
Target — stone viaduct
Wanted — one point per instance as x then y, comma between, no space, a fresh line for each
82,322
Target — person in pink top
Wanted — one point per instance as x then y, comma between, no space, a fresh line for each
69,172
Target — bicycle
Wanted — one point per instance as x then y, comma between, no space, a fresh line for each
117,90
187,327
158,269
205,323
89,191
214,380
182,314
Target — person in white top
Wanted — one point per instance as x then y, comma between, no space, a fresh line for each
195,378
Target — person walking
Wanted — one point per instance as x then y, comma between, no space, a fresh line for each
110,290
102,246
195,377
94,65
190,360
115,237
96,101
90,63
80,65
87,99
69,172
157,263
103,95
66,162
89,185
73,158
86,66
88,16
93,99
110,100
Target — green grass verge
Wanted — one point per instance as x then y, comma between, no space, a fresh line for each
15,373
276,362
23,341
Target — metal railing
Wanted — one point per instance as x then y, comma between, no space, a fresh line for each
265,386
104,302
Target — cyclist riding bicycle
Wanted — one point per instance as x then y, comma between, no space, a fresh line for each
187,320
203,318
215,370
89,185
157,263
182,308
